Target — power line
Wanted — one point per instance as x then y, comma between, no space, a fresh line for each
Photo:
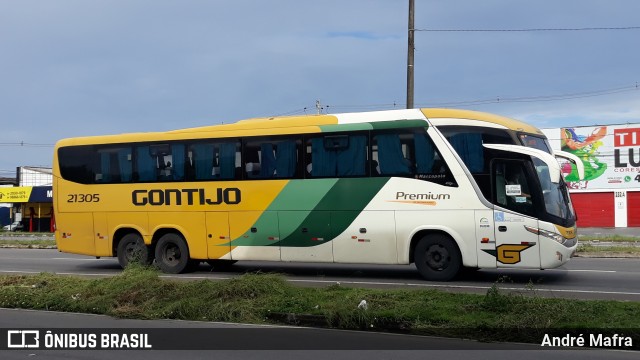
534,29
22,143
541,98
496,100
293,112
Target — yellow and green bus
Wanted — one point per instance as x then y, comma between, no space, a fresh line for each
383,187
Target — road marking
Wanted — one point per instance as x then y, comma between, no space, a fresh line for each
559,270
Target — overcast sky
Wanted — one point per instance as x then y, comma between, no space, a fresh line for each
92,67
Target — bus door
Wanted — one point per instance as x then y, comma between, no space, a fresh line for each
515,215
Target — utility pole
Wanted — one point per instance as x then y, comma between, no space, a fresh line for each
318,107
410,49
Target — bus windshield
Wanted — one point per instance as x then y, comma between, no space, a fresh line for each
556,197
535,142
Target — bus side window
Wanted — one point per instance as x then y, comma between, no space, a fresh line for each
160,162
337,155
469,148
78,164
272,157
392,156
146,165
512,187
409,153
214,161
115,165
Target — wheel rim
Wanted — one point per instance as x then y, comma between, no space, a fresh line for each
437,257
133,252
171,255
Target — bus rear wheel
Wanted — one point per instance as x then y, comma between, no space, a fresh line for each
131,249
437,258
172,254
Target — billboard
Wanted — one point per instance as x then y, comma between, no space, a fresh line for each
610,154
23,194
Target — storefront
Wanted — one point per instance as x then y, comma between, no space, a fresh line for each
32,206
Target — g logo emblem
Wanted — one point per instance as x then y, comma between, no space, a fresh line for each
510,253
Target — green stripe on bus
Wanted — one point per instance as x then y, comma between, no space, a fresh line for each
288,200
337,204
334,213
379,125
345,127
399,124
311,190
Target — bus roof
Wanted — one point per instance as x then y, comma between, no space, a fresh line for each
282,125
513,124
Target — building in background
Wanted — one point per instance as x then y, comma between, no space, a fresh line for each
30,202
6,209
609,195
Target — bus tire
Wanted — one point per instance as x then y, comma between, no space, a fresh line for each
131,249
172,254
437,258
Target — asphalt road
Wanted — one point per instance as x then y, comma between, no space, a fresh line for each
581,278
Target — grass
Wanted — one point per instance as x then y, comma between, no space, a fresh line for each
611,251
612,238
265,298
27,244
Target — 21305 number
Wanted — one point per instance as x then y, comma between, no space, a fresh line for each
83,198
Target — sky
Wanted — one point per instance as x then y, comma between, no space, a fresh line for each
73,68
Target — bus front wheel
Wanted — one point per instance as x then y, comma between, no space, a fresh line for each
131,249
172,254
437,257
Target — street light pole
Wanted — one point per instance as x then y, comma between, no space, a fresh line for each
410,49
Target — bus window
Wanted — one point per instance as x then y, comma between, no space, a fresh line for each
535,142
77,164
468,140
512,189
272,157
96,164
469,148
409,153
213,160
115,165
160,162
392,156
337,155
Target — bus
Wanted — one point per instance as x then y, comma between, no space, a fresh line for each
494,129
385,187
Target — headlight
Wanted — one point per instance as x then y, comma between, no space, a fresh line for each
548,234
